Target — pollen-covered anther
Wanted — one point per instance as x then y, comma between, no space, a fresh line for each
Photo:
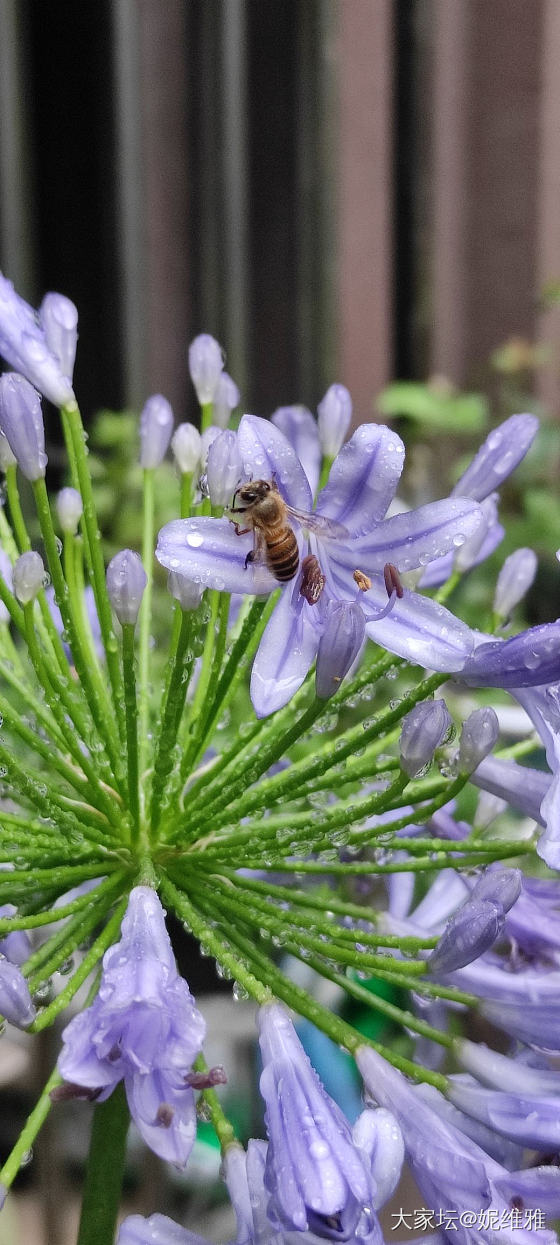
312,579
165,1114
363,581
392,580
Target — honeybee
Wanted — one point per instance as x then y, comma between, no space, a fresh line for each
267,515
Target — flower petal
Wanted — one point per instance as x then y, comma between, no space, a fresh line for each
363,478
209,552
164,1113
285,653
411,539
300,429
267,455
417,628
529,659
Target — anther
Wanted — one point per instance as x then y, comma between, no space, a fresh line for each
312,579
206,1080
363,581
392,580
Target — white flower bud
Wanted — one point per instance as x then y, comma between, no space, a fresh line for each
226,398
223,468
185,591
206,364
28,576
126,581
334,415
156,425
423,730
478,737
69,508
514,580
186,446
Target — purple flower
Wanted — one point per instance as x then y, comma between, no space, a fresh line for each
514,580
21,421
300,429
58,318
451,1170
25,346
347,534
15,946
226,398
478,736
316,1177
142,1027
527,660
206,364
157,1230
334,415
28,574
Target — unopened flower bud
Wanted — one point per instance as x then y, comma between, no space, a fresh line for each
185,591
156,425
478,737
470,932
6,574
208,436
21,421
58,317
334,415
15,999
126,580
186,446
223,468
514,580
500,454
423,730
500,885
339,645
69,508
206,364
28,576
7,458
226,398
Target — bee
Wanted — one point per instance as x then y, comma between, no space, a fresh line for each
275,545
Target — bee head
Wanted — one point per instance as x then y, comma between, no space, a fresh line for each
254,492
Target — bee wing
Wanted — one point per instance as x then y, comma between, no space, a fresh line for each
318,523
259,548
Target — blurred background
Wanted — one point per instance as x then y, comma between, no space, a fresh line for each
365,191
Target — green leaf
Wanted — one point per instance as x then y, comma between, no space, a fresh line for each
435,406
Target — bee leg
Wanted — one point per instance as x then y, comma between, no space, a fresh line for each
240,531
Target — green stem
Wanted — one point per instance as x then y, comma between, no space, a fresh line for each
73,570
16,513
92,957
105,1168
104,724
206,412
186,493
172,709
222,1127
75,442
31,1128
131,712
145,620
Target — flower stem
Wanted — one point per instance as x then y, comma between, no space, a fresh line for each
222,1127
145,620
131,712
102,1191
77,455
31,1128
171,711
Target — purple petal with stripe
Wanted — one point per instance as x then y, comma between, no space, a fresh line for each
498,456
300,429
363,478
209,552
267,455
529,659
411,539
287,649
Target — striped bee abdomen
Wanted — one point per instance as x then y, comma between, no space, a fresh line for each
282,555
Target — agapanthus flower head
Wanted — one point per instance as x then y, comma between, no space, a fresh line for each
144,1028
24,345
21,421
156,426
126,581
